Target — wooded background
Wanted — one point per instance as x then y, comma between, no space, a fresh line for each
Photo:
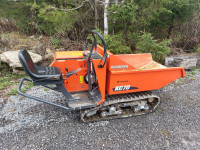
160,27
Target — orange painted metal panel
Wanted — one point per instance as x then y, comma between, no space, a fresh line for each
135,60
75,82
69,54
142,74
116,61
101,50
143,80
101,77
122,73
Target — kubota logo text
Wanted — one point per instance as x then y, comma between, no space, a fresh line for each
120,67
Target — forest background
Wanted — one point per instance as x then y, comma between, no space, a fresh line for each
161,27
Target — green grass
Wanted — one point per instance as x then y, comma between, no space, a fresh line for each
3,85
9,80
181,80
56,42
27,87
12,92
192,72
46,89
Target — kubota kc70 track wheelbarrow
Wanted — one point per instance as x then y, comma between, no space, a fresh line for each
100,84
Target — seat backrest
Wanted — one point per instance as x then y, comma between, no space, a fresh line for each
27,62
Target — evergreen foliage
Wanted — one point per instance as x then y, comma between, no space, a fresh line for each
161,20
147,44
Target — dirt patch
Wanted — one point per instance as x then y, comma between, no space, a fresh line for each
7,25
16,41
70,45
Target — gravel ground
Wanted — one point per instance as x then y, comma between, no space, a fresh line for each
27,124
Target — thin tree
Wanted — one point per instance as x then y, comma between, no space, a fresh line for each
106,17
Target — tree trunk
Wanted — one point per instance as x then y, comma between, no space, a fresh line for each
96,14
106,17
169,31
114,22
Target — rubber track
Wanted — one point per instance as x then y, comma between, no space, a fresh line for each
119,99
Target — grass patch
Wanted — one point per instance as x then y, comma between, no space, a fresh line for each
12,92
46,89
56,42
3,85
192,72
9,80
27,87
181,80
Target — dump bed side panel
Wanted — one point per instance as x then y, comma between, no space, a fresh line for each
143,80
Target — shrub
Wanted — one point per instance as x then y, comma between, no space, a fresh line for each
115,43
197,49
19,12
43,17
147,44
52,21
56,42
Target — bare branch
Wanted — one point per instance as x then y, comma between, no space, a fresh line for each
52,7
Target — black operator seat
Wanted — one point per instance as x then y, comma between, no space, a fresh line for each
37,72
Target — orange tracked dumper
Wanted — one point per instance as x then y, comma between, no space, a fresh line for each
100,84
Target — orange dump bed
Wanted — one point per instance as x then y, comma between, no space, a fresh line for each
124,74
138,72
